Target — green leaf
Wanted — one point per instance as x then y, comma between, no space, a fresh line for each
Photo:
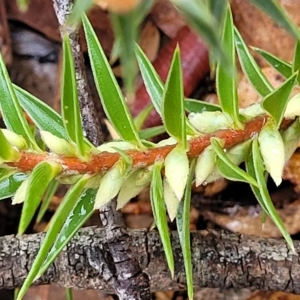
296,60
276,102
112,99
43,116
38,182
151,132
275,11
55,227
52,188
262,191
227,168
198,106
79,214
225,81
7,152
79,8
69,99
126,32
142,116
152,81
8,186
250,67
159,213
172,107
283,67
12,114
6,172
200,18
183,227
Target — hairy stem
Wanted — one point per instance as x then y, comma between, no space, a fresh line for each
104,161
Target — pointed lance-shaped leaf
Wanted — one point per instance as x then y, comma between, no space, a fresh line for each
277,13
251,68
37,183
255,167
55,226
69,99
183,227
110,93
10,108
283,67
198,106
272,150
227,168
177,170
226,81
275,103
173,113
79,214
159,213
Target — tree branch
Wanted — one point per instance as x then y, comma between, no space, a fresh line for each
220,259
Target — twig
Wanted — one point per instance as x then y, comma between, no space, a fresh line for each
220,259
104,161
90,122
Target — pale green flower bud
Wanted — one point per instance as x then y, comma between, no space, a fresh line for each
176,170
252,111
210,121
238,153
20,195
111,183
205,165
133,185
293,107
291,139
57,145
171,200
121,145
167,142
14,139
272,151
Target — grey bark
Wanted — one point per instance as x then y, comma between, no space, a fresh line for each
220,259
90,122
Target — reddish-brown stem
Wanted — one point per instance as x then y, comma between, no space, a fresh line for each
195,64
104,161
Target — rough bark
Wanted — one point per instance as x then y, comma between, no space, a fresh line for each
220,259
